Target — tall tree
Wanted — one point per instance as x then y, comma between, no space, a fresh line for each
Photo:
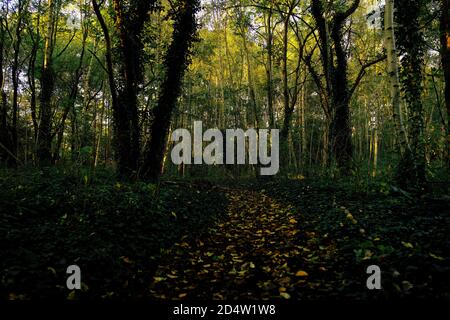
15,71
175,62
6,154
130,19
445,57
44,145
393,72
337,90
412,168
335,65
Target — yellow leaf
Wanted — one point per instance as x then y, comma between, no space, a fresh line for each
301,273
13,296
71,295
182,295
184,244
407,245
292,221
367,254
252,265
436,257
282,289
171,276
285,295
159,279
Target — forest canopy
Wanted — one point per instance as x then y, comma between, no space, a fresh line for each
351,85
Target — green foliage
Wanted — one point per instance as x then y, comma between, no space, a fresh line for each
384,225
57,217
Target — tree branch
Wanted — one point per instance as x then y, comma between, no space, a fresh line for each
362,72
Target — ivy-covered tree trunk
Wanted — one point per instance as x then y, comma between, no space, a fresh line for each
445,56
130,19
340,131
411,45
176,61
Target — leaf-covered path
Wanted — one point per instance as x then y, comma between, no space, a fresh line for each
245,256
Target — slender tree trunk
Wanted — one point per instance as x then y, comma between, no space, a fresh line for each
72,96
251,85
269,68
44,153
15,75
5,141
32,78
392,62
287,112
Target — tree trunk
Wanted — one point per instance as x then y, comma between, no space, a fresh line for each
32,78
44,153
176,61
392,63
269,69
15,75
445,57
412,169
341,132
5,142
336,85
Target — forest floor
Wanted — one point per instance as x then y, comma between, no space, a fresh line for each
297,240
282,239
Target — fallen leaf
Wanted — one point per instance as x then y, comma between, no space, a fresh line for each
71,295
285,295
436,257
159,279
407,245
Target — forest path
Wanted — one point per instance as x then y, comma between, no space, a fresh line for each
250,254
